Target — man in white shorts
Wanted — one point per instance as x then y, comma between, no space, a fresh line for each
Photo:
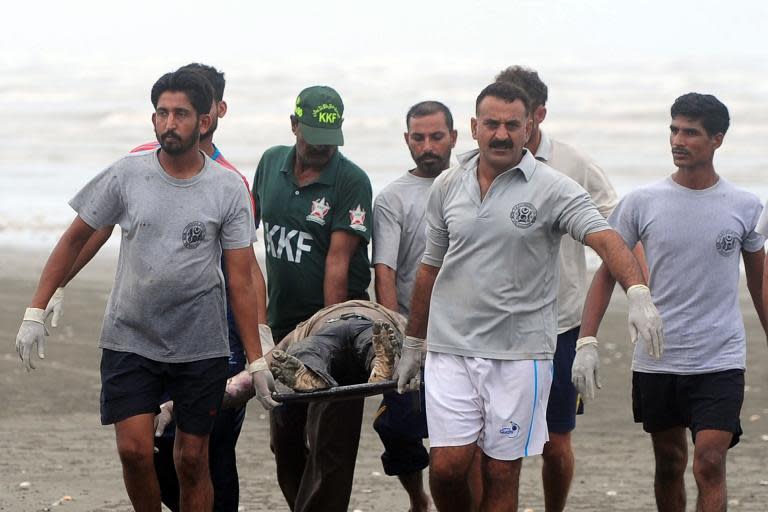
494,228
694,226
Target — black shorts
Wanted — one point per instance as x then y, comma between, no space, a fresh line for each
564,404
707,401
132,384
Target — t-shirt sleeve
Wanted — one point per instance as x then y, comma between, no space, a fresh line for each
238,229
755,239
352,212
600,189
100,203
437,229
578,216
387,227
624,220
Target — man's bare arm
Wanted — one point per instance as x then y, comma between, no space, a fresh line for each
261,291
335,284
617,257
243,297
754,269
61,260
422,295
97,239
385,279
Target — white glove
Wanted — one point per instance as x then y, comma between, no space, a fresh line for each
263,383
408,369
584,372
31,333
163,418
644,320
265,335
55,307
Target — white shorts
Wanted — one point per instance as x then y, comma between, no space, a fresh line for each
501,405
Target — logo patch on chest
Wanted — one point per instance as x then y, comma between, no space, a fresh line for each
523,215
193,234
318,211
727,242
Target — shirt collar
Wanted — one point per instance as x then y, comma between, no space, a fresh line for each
544,153
527,164
327,175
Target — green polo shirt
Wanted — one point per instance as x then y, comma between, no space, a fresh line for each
298,222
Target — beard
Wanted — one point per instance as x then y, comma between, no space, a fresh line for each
431,164
173,144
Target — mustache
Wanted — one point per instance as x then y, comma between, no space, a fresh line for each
501,144
170,133
680,152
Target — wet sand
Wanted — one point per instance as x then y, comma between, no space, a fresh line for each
50,435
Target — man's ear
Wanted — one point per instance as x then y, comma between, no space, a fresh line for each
539,114
204,123
222,108
473,127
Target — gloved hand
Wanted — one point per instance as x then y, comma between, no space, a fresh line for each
31,334
164,418
55,307
263,383
265,335
644,320
408,369
584,372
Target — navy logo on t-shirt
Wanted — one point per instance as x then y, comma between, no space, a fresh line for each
523,215
193,234
727,242
512,431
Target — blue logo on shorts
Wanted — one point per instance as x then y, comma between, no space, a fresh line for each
512,431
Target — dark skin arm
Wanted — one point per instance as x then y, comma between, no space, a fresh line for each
343,246
244,297
754,268
61,260
422,295
386,286
89,250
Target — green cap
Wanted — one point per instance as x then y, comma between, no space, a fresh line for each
319,110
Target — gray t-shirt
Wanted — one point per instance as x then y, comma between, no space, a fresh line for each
168,301
495,294
693,240
399,231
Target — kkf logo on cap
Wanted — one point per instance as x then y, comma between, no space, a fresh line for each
326,113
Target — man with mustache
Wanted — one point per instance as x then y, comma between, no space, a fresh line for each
229,422
399,237
695,227
315,206
558,462
485,299
165,326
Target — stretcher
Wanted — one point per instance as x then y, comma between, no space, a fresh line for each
338,393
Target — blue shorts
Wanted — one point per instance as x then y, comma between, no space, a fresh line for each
564,404
401,423
132,384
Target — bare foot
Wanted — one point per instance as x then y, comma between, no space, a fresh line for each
294,374
238,391
384,344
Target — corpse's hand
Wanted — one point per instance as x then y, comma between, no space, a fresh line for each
408,369
263,383
584,372
55,307
32,333
644,320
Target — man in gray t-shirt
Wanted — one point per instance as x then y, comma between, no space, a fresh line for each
399,236
693,226
165,328
487,288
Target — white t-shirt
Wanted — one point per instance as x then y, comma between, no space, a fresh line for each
693,240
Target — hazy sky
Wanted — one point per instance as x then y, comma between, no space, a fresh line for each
445,33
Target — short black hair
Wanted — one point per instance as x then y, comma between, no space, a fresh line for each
504,91
528,80
213,75
705,108
197,88
426,108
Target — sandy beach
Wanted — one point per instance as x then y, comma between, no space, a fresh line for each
55,455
